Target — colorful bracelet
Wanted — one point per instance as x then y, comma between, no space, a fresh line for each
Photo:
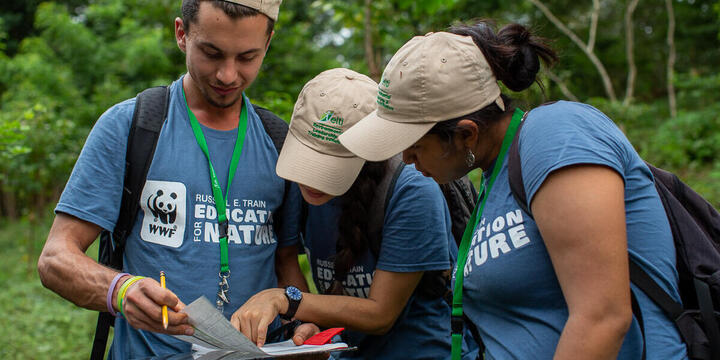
123,289
110,293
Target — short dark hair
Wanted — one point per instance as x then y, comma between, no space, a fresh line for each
190,10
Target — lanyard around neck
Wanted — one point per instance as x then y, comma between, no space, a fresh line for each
218,196
457,310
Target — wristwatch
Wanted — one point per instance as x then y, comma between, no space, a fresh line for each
294,296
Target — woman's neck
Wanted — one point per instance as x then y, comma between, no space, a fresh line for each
490,143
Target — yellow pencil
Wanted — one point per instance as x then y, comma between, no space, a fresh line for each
164,308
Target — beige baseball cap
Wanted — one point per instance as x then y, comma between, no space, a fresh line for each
271,8
327,106
432,78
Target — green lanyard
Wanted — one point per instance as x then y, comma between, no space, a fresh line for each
457,310
220,200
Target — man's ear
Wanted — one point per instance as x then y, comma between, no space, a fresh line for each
267,45
180,35
468,133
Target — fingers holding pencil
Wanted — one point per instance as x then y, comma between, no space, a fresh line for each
143,309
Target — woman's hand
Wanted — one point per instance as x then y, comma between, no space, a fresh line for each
254,317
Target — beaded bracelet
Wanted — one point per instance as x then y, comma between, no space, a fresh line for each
110,293
123,289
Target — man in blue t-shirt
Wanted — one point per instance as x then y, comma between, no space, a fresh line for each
213,157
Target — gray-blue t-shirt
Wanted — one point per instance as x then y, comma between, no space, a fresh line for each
176,228
416,236
511,290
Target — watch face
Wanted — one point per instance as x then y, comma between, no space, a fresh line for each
293,293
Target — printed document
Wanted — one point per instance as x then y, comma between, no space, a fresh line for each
215,338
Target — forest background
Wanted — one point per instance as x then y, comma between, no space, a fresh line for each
651,65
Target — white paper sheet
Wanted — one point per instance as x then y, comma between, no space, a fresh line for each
215,338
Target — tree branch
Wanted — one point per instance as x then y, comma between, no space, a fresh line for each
591,55
561,84
593,25
671,59
630,51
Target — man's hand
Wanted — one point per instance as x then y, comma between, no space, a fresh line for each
142,307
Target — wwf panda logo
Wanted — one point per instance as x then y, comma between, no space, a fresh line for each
163,207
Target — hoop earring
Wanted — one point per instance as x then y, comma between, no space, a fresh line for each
470,159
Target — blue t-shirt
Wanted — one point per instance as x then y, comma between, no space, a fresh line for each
511,290
176,229
416,236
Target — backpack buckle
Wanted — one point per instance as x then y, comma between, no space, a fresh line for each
456,324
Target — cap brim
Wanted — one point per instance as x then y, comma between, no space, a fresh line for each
332,175
377,139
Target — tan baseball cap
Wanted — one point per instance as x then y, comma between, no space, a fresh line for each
271,8
432,78
327,106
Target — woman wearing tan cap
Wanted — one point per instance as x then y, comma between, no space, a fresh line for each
556,286
377,294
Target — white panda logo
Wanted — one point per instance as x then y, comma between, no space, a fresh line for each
164,212
163,207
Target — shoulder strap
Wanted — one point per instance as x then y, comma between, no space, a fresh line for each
395,166
151,107
517,187
277,129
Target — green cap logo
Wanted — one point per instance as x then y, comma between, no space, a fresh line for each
328,127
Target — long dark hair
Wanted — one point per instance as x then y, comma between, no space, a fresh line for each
353,227
514,55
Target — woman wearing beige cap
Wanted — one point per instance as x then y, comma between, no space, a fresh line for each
552,286
382,299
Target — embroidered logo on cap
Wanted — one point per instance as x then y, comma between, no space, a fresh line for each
383,98
328,127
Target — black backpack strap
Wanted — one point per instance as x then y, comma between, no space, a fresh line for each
148,118
277,129
517,186
642,280
151,106
395,167
638,316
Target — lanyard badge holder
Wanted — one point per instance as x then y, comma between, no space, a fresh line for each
220,199
457,323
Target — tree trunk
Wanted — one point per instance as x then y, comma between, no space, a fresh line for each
590,54
370,56
10,203
671,59
630,51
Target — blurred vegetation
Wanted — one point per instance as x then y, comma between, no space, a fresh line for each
64,62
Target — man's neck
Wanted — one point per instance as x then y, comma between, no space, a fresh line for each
207,114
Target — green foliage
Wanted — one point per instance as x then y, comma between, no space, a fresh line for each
38,323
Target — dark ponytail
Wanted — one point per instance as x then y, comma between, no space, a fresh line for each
353,227
513,53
